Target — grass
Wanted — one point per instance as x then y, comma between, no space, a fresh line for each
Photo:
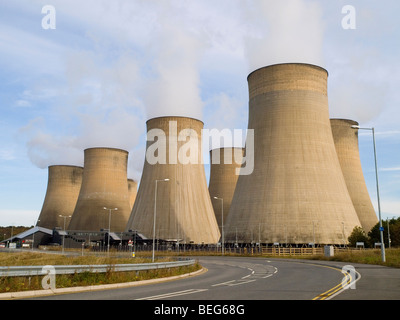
14,284
366,256
38,259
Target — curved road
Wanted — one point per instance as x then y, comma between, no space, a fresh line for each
240,278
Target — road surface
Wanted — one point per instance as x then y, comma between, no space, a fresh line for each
243,278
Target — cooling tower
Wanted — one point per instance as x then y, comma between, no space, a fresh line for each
296,193
346,143
132,190
183,205
104,185
63,186
223,178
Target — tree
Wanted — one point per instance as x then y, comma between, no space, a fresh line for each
394,229
395,234
358,235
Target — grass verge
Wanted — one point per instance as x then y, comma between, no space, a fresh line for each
366,257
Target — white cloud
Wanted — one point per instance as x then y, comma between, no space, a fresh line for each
22,103
284,31
7,154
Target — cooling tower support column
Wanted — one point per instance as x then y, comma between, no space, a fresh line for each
184,209
63,186
104,185
297,192
346,143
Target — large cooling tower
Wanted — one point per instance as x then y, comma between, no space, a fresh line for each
346,142
104,184
183,206
132,190
223,178
297,193
63,186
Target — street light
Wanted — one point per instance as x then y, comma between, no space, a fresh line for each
65,217
222,223
109,227
154,218
377,190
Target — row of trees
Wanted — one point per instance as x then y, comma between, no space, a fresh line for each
391,231
6,232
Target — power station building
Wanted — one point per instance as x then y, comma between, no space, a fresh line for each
297,193
132,190
104,185
63,187
173,202
345,136
224,163
307,185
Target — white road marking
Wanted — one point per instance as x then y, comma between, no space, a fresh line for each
173,294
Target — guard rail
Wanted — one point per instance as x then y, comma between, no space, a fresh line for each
26,271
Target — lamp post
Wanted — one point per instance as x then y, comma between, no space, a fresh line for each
109,227
65,217
377,191
154,218
222,223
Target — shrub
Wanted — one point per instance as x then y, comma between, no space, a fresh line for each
358,235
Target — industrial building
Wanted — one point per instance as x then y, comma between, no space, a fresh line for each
297,193
173,202
345,136
307,186
63,187
132,190
103,201
223,179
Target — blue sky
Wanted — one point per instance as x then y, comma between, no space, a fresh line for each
111,65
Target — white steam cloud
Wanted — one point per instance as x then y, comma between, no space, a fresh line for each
142,59
283,32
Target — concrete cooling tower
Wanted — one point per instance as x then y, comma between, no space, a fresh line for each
346,143
297,193
182,204
132,190
223,178
104,184
63,186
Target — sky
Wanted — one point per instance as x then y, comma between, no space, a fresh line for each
93,73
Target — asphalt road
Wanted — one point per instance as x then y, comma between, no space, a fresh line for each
239,278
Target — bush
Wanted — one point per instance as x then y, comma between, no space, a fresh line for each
358,235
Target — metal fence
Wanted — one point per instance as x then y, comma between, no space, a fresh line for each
24,271
291,251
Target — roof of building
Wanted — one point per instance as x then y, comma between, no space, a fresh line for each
29,232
